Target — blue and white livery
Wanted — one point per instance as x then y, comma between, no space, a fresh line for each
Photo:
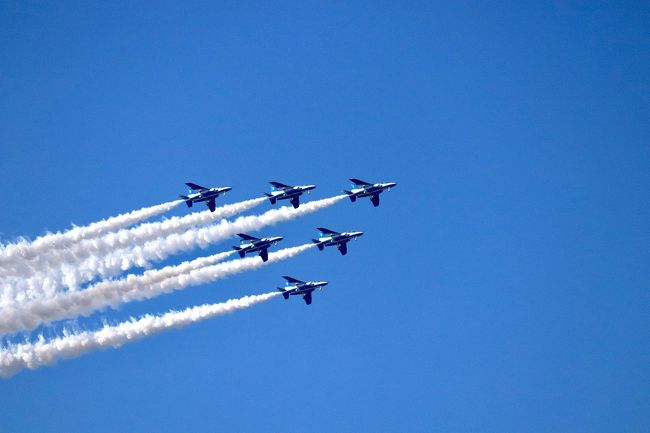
200,193
365,189
286,192
251,244
330,238
296,287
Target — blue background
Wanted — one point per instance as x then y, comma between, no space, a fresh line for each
502,286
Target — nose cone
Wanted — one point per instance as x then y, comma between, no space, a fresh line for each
357,234
277,238
308,187
226,188
391,184
322,283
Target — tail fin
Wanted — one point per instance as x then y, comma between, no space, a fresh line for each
271,198
285,294
188,202
318,243
352,195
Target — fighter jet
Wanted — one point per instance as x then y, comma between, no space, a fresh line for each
329,237
250,244
203,194
304,288
365,189
286,192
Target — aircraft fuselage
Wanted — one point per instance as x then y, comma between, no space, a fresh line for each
262,244
368,191
301,289
340,238
289,193
208,194
286,192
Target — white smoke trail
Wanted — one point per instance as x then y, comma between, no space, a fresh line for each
27,250
158,249
18,317
121,239
17,357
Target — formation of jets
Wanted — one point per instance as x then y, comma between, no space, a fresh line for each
280,191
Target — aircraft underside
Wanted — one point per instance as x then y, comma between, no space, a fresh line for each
205,198
286,195
369,193
263,252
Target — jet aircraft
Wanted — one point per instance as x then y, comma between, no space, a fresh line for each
303,288
201,193
365,189
250,244
329,237
287,192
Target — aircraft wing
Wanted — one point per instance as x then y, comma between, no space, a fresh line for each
279,185
247,237
195,187
359,182
292,280
327,231
212,205
307,298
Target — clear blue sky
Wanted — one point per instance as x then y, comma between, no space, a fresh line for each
502,286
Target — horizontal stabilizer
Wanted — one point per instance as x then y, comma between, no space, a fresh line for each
188,201
285,293
319,244
353,196
271,198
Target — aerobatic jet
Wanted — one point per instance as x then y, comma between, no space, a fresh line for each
329,237
303,288
287,192
199,193
251,244
365,189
